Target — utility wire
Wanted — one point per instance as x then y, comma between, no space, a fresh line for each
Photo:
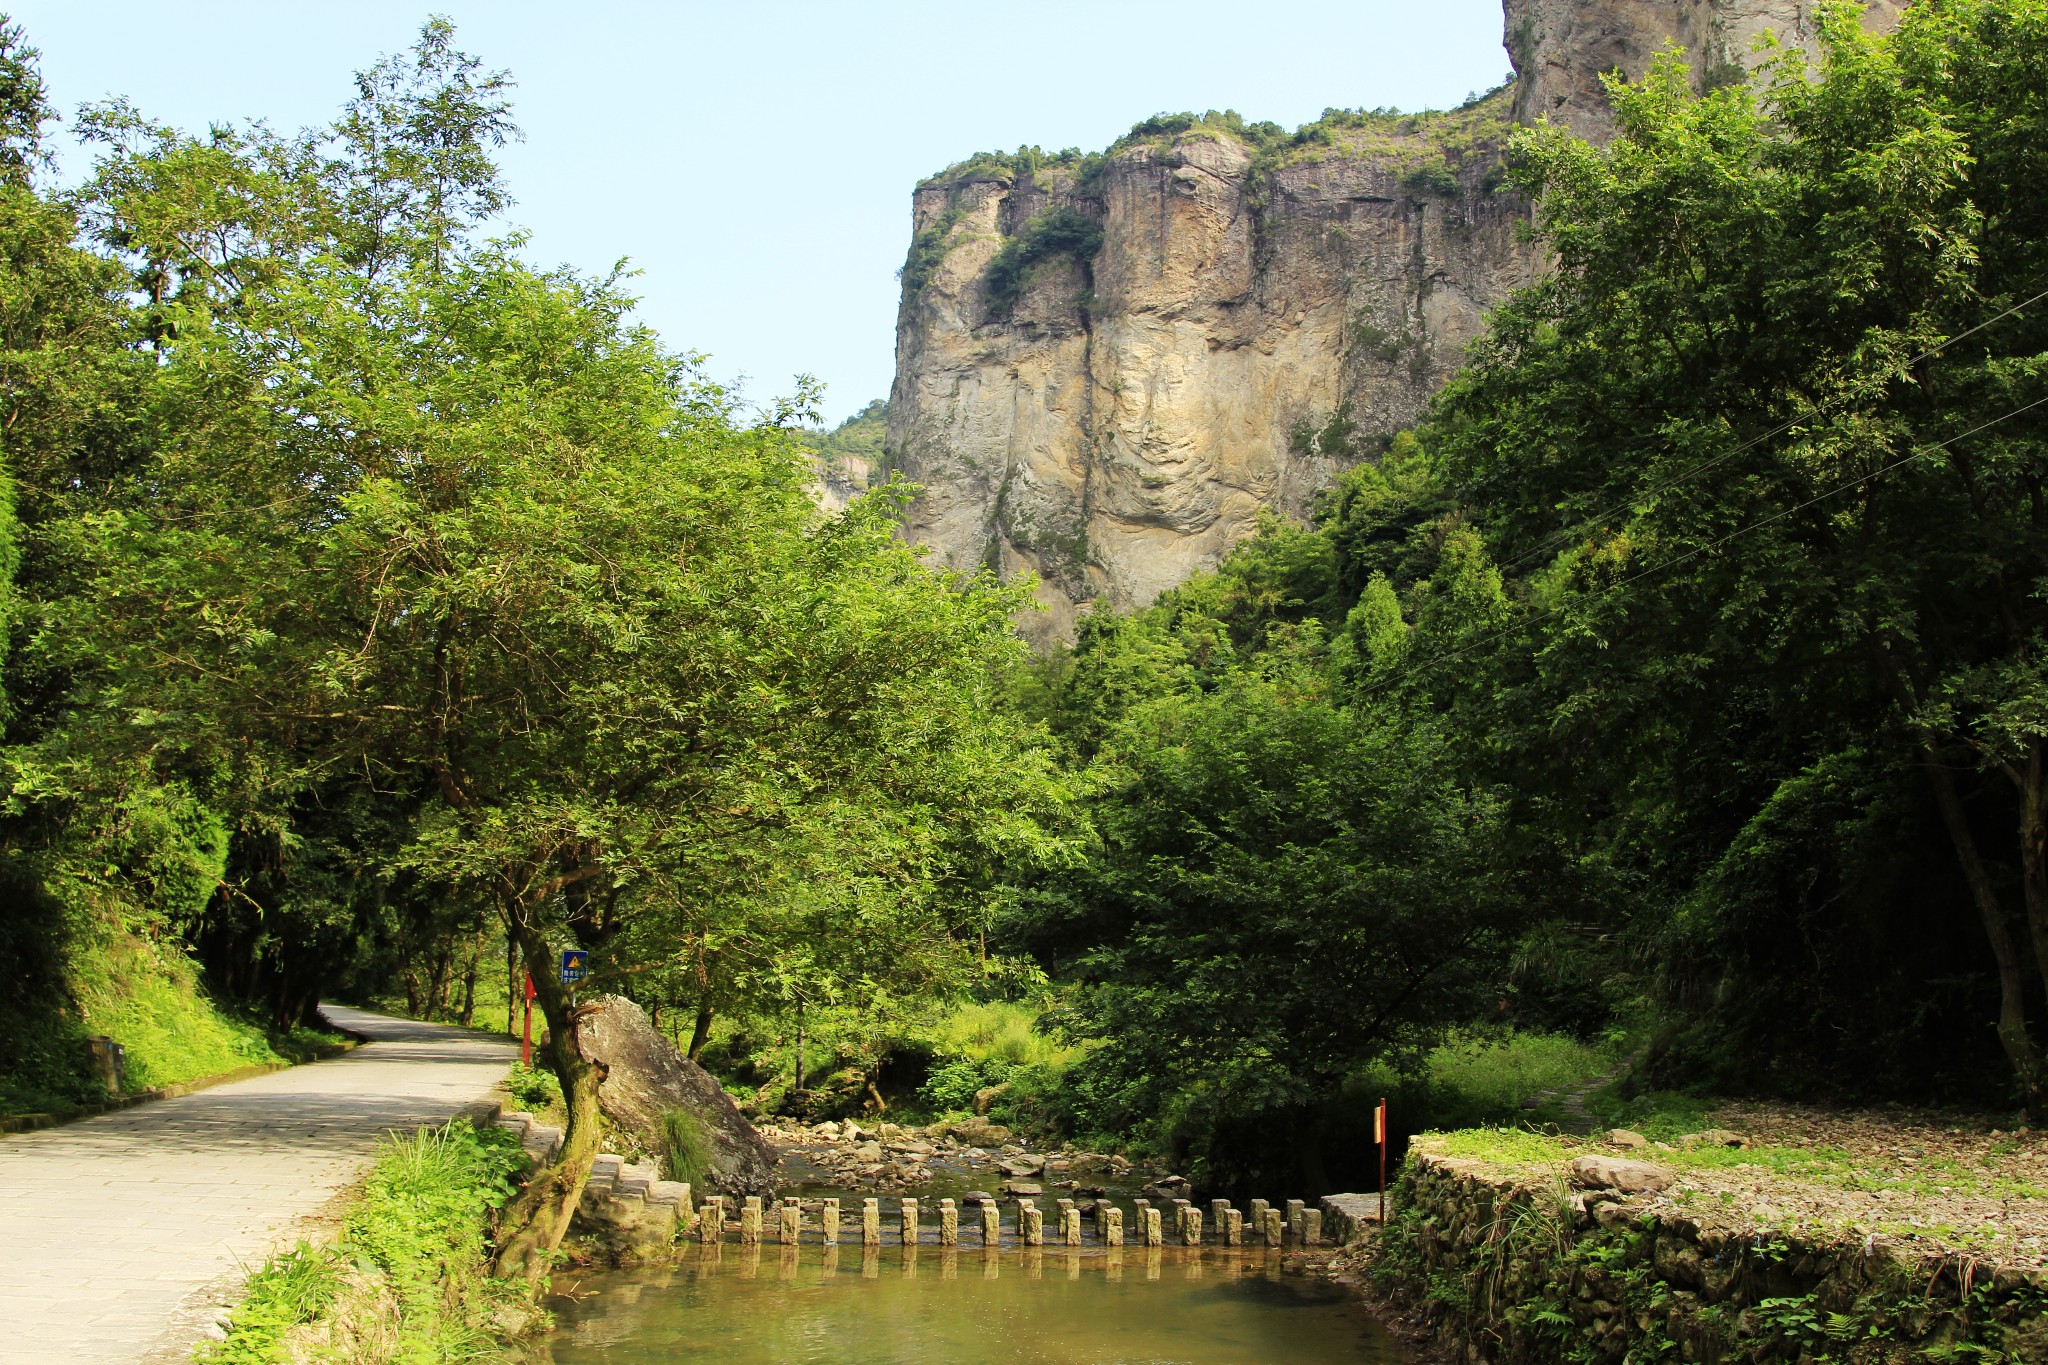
1711,545
1559,537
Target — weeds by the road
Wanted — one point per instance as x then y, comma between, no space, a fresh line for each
407,1280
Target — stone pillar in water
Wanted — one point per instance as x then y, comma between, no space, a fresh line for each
1155,1233
792,1230
829,1219
1181,1208
1312,1228
909,1234
949,1223
750,1221
991,1223
871,1222
1113,1226
1031,1221
1191,1228
1233,1227
1216,1207
1295,1207
1070,1226
1276,1228
711,1221
1257,1217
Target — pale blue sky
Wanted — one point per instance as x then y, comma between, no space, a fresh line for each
755,161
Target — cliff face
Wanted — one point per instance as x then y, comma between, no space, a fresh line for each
1107,366
1561,47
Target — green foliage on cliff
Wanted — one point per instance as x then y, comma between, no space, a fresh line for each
927,249
1064,231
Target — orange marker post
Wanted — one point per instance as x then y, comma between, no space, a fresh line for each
1379,1135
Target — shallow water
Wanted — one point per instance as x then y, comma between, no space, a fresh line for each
927,1305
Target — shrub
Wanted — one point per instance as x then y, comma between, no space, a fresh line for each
534,1087
953,1085
1064,231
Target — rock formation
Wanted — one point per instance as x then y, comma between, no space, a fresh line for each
1561,48
645,1076
1107,366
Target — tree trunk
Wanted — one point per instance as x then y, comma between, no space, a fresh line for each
511,986
799,1045
2013,1034
437,987
2034,854
701,1034
476,952
535,1222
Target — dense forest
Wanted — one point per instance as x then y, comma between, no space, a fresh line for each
385,615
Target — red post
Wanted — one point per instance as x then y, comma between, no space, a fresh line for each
526,1039
1379,1135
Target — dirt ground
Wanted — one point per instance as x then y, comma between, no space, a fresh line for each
1943,1182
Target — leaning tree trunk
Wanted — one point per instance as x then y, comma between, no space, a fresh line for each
2013,1034
536,1221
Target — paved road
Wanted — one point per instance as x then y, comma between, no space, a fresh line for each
121,1236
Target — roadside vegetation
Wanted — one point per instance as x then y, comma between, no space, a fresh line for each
408,1278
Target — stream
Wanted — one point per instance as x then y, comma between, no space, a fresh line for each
753,1305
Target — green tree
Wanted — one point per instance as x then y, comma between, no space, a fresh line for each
1766,454
457,534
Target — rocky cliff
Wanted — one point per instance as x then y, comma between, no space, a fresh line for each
1108,365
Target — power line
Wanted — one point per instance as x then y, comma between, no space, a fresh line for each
1712,545
1559,537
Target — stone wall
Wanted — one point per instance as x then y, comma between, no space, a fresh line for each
1518,1270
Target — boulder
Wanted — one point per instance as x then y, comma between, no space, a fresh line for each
988,1095
1021,1165
1714,1137
1022,1189
981,1133
1169,1187
644,1076
1612,1173
1099,1163
1626,1140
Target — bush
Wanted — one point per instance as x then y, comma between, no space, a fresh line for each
534,1087
953,1085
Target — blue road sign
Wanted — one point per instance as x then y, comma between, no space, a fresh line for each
574,965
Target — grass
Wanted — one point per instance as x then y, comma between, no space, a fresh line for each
148,998
150,1001
685,1146
407,1280
999,1030
1483,1078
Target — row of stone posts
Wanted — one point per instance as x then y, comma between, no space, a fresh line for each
1265,1225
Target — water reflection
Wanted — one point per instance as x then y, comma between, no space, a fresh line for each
1057,1306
